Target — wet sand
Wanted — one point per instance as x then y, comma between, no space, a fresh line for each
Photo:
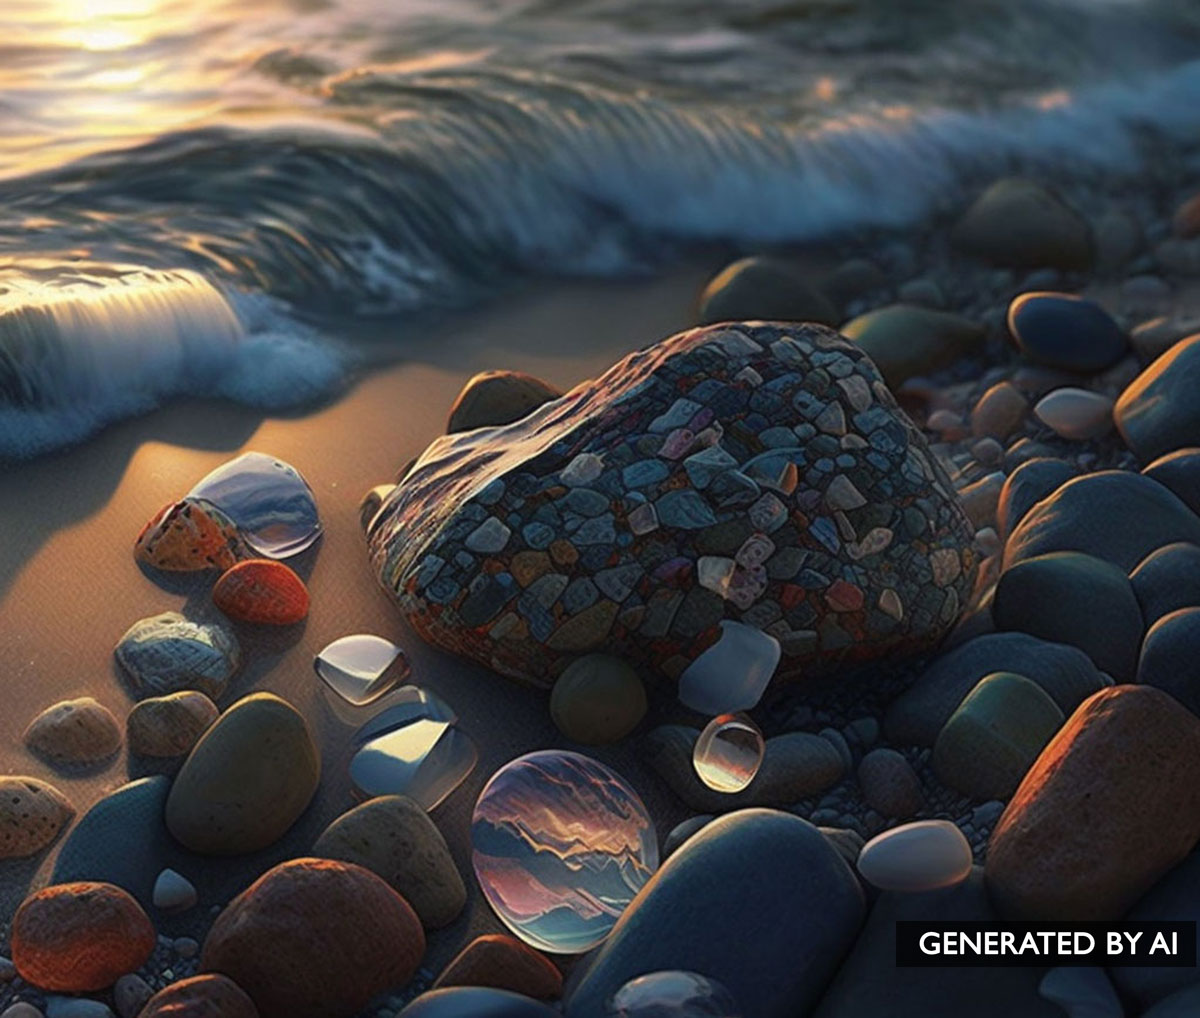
69,586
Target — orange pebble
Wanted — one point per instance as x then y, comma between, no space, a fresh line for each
190,535
263,591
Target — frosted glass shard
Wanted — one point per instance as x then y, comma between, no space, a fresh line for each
270,502
733,673
673,994
361,668
561,844
728,753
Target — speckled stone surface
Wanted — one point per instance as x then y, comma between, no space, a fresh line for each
760,472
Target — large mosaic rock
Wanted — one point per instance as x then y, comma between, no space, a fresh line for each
761,473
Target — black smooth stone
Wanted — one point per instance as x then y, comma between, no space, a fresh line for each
1064,331
1031,482
476,1002
1169,655
1159,411
1179,471
1167,580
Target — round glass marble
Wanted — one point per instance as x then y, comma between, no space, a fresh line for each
673,994
728,753
561,844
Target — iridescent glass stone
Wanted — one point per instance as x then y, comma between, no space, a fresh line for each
732,674
673,994
270,502
728,753
361,668
413,748
561,846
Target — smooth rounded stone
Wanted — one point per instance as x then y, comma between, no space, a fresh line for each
1180,472
994,737
204,996
869,984
854,278
1155,336
1093,515
733,674
921,292
168,653
1017,223
847,843
527,810
889,784
763,289
268,500
1183,1004
247,780
22,1010
707,907
795,765
191,535
1166,581
476,1002
988,452
169,726
597,700
315,938
1068,597
76,1007
673,994
1000,411
918,714
1098,819
262,591
394,838
1158,412
1082,992
921,856
80,731
32,814
684,830
131,993
728,753
1031,482
492,398
77,938
627,581
1169,655
361,667
981,500
904,342
1062,330
1076,414
503,963
1118,238
173,892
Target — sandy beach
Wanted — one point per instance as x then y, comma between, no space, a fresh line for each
71,586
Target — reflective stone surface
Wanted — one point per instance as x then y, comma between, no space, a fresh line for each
270,502
561,846
413,748
728,753
362,667
673,994
731,675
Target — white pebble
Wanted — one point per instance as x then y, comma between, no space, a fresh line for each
173,892
22,1010
1076,413
921,856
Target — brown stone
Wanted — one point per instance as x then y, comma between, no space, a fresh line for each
32,813
208,996
78,938
1186,220
587,630
166,726
497,397
999,412
74,732
1111,805
503,962
528,566
315,938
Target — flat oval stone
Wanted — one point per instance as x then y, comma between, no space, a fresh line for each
189,536
1167,581
247,780
168,653
763,289
1064,331
1076,413
503,963
168,726
1168,656
491,398
1020,224
1179,471
262,591
920,856
1156,413
80,731
32,814
205,996
905,342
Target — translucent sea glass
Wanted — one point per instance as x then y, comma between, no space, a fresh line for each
728,753
673,994
733,673
361,668
270,502
413,748
561,846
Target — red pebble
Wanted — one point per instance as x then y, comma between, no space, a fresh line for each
262,591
